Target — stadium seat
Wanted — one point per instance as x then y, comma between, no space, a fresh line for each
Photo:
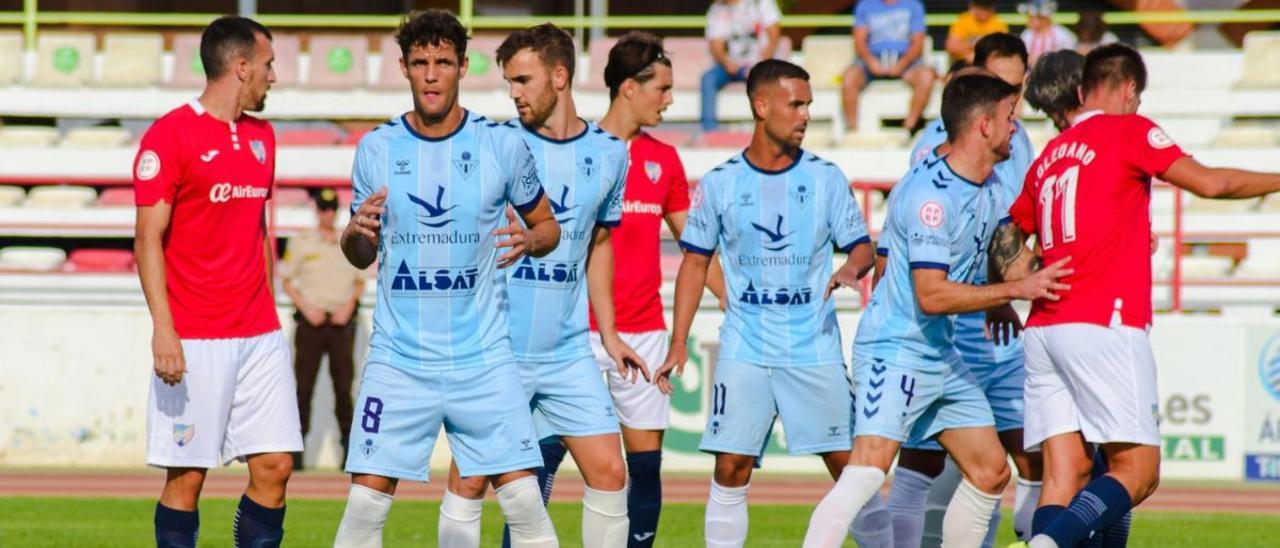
1206,266
483,72
27,136
63,59
725,139
1244,137
131,59
1270,204
886,138
100,260
826,58
116,196
690,57
337,61
291,196
1196,204
352,138
1258,268
60,197
389,75
96,137
287,48
819,136
308,137
598,58
188,71
30,258
10,48
1261,57
11,196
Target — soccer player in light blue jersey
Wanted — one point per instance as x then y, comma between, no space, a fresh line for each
911,382
773,213
994,358
432,191
584,170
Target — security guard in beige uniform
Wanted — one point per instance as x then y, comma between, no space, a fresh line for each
325,290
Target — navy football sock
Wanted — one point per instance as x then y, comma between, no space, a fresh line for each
176,528
1117,535
1101,503
257,526
552,455
644,499
1043,516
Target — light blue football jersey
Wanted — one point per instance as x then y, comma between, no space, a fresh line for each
584,177
936,219
774,231
971,340
441,299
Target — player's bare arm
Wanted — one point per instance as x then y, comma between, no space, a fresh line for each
1009,258
538,236
859,262
148,249
1220,182
360,238
938,295
715,276
600,294
882,262
689,283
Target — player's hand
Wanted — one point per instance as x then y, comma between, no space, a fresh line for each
312,314
677,355
630,364
843,278
516,238
367,220
166,348
1155,243
1002,325
1044,284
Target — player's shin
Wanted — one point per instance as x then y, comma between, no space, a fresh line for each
552,455
257,525
459,521
726,517
908,502
363,519
526,514
940,494
968,516
831,519
873,526
1025,495
644,496
604,518
176,528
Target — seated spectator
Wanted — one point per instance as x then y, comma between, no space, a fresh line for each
972,25
741,33
888,43
1043,35
1092,32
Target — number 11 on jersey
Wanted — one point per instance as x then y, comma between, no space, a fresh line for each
1061,186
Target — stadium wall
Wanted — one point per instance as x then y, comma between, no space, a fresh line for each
74,385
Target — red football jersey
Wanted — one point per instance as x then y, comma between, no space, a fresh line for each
656,186
1088,197
218,177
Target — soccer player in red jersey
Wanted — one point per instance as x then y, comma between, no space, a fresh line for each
224,384
1091,376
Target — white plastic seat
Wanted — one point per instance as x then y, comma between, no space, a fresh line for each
1244,137
27,136
63,59
41,259
1206,266
338,61
1255,268
826,58
131,59
11,196
1261,57
1196,204
10,48
96,137
60,197
886,138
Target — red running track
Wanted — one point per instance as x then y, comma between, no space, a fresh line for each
766,489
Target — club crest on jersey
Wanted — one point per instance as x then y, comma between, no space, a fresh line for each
466,164
588,167
183,434
653,170
259,150
368,448
801,195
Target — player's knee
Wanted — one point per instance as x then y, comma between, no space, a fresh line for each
991,476
272,469
607,475
471,487
733,470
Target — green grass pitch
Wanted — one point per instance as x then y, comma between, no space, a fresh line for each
101,522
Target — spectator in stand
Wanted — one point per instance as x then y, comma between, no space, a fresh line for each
741,33
325,291
980,20
1042,34
888,43
1092,32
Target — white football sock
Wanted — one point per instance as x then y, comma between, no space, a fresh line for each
726,518
907,497
459,521
1026,494
1042,541
968,516
935,504
604,518
994,526
830,521
527,518
362,521
873,526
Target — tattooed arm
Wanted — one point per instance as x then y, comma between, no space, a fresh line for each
1009,258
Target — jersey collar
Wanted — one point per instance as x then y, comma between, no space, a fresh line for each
196,106
404,120
758,169
1085,116
586,128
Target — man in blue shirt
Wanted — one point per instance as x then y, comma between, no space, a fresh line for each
910,378
584,168
996,362
431,195
888,44
773,214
